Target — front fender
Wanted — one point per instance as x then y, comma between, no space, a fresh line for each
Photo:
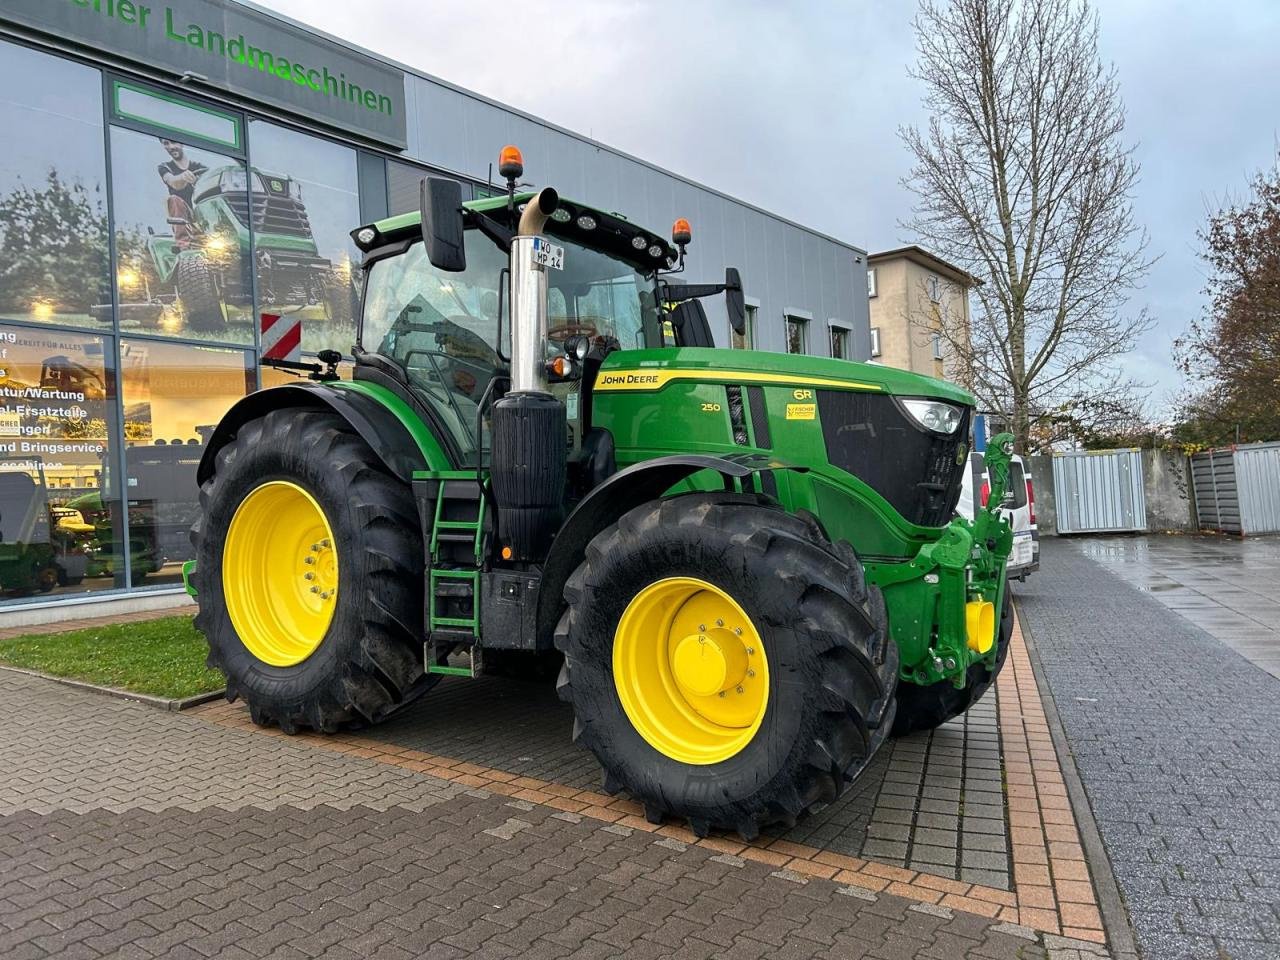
606,504
378,426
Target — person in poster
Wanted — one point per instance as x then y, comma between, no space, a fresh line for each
180,174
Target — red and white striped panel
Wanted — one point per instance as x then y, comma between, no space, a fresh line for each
281,337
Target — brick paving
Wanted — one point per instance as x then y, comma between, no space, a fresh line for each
497,734
1177,740
130,832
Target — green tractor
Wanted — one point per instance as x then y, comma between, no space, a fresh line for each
749,562
202,267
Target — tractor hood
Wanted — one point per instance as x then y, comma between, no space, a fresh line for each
651,369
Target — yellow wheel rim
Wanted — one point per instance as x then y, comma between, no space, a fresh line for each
690,670
280,573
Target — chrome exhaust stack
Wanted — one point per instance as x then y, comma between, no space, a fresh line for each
529,296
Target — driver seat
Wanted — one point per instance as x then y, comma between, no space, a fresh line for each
689,321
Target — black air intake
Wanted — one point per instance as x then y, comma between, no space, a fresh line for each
528,470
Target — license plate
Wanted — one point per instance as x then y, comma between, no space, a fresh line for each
548,254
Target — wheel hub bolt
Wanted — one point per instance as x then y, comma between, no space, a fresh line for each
751,673
719,623
738,631
751,651
315,589
309,575
309,560
739,688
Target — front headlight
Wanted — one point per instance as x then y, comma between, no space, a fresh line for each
235,180
935,415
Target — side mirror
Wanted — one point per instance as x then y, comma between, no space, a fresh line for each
735,301
442,227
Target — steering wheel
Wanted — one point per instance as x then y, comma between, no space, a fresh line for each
576,329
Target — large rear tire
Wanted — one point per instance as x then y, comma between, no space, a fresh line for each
309,575
927,707
723,580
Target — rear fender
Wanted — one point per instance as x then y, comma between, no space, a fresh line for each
378,426
606,504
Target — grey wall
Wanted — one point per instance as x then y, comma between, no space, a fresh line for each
1166,481
783,265
1166,486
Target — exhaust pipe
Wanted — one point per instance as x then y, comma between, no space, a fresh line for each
528,463
529,298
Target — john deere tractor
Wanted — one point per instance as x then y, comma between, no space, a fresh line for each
748,561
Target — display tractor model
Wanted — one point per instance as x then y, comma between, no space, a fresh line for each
207,269
749,561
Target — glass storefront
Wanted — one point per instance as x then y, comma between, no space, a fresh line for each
113,372
306,203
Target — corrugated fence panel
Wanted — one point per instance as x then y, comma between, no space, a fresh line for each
1257,472
1099,491
1213,476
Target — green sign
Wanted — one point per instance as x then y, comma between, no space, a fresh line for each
235,48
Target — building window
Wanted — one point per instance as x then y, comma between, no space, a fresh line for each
184,118
871,282
182,219
404,187
173,396
747,339
797,334
934,286
937,346
59,523
306,260
839,341
53,210
875,341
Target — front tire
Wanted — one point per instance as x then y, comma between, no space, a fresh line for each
762,735
287,482
926,707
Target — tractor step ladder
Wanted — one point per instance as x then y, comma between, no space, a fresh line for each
456,549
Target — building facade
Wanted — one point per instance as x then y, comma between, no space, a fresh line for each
913,297
171,174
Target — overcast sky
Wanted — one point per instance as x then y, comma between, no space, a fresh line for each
795,107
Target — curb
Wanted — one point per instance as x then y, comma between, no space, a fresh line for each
173,705
1115,917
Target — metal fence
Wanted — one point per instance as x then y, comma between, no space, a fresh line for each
1099,491
1238,488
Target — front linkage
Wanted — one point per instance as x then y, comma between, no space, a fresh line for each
945,602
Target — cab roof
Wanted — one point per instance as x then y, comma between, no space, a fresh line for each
588,226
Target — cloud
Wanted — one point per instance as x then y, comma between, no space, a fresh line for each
796,107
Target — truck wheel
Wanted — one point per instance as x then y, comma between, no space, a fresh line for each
925,707
724,662
198,294
309,569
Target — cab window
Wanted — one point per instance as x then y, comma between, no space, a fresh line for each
440,328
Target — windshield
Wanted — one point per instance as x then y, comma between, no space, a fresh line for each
598,296
442,328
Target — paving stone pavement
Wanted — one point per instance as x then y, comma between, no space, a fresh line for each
1227,585
1177,740
904,809
129,832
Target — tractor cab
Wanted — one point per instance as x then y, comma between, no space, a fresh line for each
437,309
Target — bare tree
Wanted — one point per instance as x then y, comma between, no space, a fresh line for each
1022,179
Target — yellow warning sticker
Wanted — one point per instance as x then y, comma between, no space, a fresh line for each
801,411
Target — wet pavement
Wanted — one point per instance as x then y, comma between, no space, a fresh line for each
1227,586
1175,737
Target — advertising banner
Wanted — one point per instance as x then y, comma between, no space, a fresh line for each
239,49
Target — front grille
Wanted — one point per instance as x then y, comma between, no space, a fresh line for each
272,214
871,437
